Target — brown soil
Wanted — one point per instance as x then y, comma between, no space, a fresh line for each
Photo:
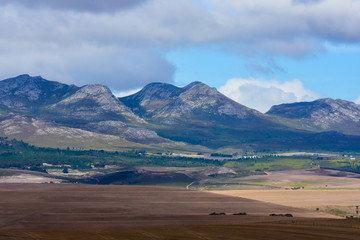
284,230
60,211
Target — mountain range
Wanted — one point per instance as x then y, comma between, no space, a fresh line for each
165,117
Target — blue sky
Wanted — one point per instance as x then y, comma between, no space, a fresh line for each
259,53
334,73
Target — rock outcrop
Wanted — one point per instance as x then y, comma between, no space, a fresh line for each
323,114
170,104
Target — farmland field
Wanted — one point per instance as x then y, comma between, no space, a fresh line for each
74,211
36,205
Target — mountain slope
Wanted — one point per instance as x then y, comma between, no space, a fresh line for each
92,108
94,103
321,115
56,101
199,114
151,98
45,133
169,104
163,116
49,134
25,93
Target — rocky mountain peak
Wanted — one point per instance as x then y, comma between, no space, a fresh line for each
152,97
325,113
317,109
24,91
27,80
339,104
194,84
94,101
99,94
160,112
200,96
337,111
170,104
200,88
95,90
21,78
159,91
199,91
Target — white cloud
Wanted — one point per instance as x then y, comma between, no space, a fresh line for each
357,100
126,93
118,68
306,1
121,43
261,94
78,5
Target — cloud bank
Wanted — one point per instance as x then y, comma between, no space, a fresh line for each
122,43
77,5
126,93
261,94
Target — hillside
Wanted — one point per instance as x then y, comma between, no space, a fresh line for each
168,104
199,114
49,113
162,116
25,93
93,103
321,115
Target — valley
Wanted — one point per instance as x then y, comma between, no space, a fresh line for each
80,163
179,119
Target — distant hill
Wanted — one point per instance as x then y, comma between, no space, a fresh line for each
170,105
322,115
93,103
53,114
162,116
199,114
24,93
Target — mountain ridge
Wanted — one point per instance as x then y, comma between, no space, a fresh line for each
94,101
165,101
192,117
22,92
324,114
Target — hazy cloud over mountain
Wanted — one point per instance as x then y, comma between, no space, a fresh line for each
122,43
261,95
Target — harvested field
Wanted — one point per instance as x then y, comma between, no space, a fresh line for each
62,206
57,211
300,198
322,188
284,230
290,179
307,178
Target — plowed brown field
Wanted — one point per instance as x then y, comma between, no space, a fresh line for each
59,211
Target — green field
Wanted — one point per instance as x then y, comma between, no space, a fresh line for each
171,170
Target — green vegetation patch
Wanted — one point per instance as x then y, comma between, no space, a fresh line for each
270,164
20,155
